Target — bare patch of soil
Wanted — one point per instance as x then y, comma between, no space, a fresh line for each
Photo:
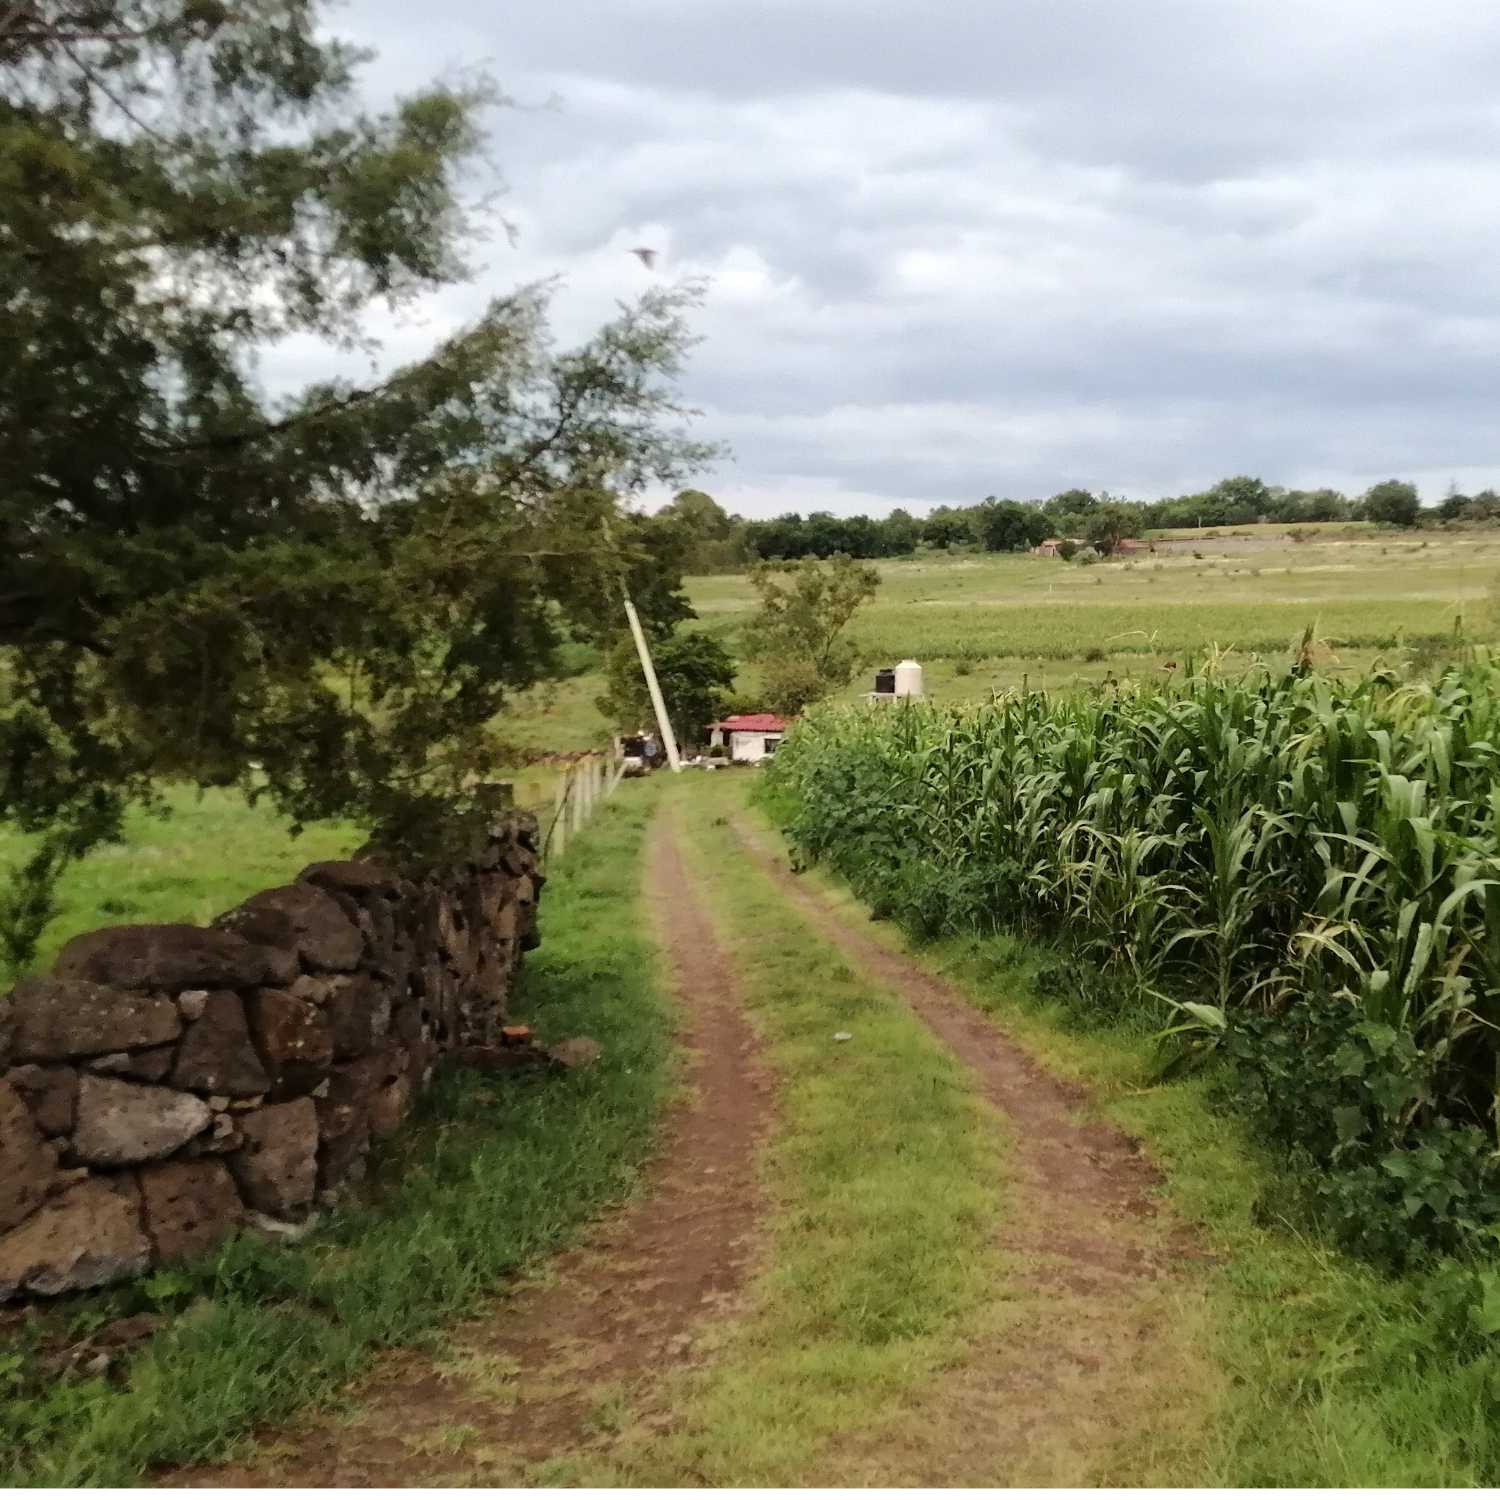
548,1371
1091,1373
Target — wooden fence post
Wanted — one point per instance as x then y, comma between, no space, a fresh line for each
580,789
575,793
558,838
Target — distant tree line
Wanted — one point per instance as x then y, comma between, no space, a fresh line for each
709,539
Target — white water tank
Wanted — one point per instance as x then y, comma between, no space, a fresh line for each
908,680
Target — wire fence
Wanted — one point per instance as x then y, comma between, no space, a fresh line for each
583,788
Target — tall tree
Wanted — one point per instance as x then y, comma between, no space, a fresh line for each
695,674
900,532
1110,522
1393,501
1239,501
799,635
948,527
713,540
1009,526
324,596
1071,503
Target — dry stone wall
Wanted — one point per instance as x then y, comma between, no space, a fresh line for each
167,1085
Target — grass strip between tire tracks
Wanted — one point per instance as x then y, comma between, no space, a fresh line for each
885,1178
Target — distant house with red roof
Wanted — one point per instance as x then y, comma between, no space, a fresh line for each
749,737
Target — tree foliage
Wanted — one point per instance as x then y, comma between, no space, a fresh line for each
1470,509
1009,526
710,539
799,635
1071,503
822,534
1110,522
326,595
695,674
724,542
948,526
1393,501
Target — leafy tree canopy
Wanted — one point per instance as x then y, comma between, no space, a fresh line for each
1393,501
711,540
1244,496
799,635
1009,526
822,534
326,595
1071,503
1111,522
948,527
902,532
695,674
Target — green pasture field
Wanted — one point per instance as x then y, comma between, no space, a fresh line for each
1370,593
977,622
1272,529
198,856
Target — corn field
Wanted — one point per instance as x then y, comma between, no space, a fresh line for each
1278,860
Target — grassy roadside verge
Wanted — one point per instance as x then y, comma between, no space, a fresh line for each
486,1178
885,1179
1335,1374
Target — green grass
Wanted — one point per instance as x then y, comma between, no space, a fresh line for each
1364,593
981,621
206,853
556,716
1335,1375
1268,529
489,1176
885,1173
209,852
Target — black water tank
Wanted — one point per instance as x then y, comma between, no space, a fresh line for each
885,680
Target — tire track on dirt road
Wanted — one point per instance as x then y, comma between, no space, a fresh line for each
1098,1371
611,1318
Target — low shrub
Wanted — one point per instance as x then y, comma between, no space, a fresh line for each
1346,1094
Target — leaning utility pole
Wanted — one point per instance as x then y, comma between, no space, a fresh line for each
668,739
663,724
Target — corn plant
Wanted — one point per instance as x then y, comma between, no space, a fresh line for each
1227,846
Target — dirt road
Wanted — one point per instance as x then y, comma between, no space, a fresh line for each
1092,1359
533,1378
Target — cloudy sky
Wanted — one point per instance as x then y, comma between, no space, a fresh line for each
966,247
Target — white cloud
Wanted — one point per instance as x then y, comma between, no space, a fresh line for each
960,248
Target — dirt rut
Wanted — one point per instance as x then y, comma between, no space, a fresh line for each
1094,1374
536,1377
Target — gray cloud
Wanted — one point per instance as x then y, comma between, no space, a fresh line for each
960,248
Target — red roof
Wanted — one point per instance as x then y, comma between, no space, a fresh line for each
752,724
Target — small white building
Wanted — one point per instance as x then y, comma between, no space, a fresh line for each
749,737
